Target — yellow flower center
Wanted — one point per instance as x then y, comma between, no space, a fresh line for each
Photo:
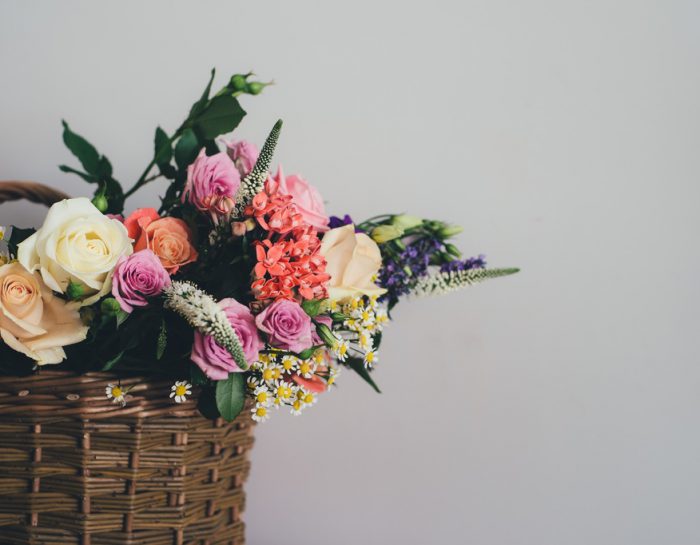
261,411
116,391
261,397
180,390
308,398
305,368
267,374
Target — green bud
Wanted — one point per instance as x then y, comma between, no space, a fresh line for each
101,203
339,316
255,87
404,221
238,82
385,233
110,306
74,291
326,335
448,231
453,250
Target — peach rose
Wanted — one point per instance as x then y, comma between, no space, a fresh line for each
171,240
352,260
32,320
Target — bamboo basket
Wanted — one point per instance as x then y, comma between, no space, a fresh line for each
77,469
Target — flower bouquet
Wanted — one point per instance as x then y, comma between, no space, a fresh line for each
238,294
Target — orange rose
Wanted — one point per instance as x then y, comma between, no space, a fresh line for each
171,240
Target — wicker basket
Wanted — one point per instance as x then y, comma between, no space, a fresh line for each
77,469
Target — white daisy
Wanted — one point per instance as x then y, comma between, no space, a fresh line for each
297,407
365,340
334,373
116,393
283,391
341,349
306,368
252,382
290,363
263,396
260,413
180,390
272,372
370,359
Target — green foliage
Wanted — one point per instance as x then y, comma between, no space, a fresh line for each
312,307
230,396
221,115
358,366
162,341
97,170
18,236
197,376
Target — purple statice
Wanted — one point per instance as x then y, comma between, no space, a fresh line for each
400,273
335,222
457,265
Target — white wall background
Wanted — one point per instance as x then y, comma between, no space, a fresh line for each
556,407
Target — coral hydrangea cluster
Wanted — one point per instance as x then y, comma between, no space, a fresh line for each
240,288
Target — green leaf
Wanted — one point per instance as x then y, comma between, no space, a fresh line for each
113,361
121,317
82,149
163,148
87,177
222,115
197,376
207,404
312,307
162,340
230,396
16,237
306,354
199,105
186,149
358,366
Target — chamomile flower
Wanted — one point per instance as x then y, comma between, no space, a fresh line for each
364,316
365,340
308,399
282,391
263,396
290,363
373,302
297,407
353,324
370,359
333,375
116,393
382,317
341,349
252,382
306,368
271,373
320,356
180,390
260,413
333,306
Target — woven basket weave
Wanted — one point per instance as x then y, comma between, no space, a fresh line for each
77,469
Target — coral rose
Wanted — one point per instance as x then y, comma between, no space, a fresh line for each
33,320
352,260
171,240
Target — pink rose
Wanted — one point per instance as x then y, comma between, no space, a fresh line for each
244,154
287,325
138,278
306,197
215,361
211,185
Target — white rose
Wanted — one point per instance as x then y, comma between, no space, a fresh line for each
352,260
77,244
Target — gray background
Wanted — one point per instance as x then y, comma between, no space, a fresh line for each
556,407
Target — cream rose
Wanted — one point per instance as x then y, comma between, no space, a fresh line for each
352,260
32,320
78,244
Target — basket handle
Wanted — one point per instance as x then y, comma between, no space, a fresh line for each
16,190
